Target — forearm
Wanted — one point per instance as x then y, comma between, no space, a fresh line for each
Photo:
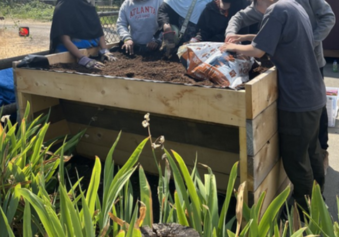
248,50
102,42
66,40
249,37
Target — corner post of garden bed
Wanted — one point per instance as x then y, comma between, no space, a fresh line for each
21,101
265,170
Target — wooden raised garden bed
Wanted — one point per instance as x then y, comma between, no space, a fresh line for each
221,126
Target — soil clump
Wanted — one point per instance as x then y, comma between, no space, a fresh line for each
152,66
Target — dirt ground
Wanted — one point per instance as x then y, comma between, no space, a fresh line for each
152,66
12,45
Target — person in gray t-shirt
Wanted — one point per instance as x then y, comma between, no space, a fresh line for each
286,36
322,20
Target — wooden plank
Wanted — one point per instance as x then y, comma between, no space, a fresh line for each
56,113
191,102
331,53
59,128
271,185
261,164
261,92
243,160
120,156
209,135
67,57
39,103
219,161
261,129
21,100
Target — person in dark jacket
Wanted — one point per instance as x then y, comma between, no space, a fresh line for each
76,25
214,19
171,18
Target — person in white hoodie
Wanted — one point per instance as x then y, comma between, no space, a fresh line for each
137,25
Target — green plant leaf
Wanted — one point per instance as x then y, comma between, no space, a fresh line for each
45,212
233,176
13,204
4,219
207,223
246,229
324,215
180,187
27,227
109,168
118,182
146,197
272,211
196,207
121,233
87,223
230,233
35,157
299,233
74,222
182,220
93,186
212,202
131,228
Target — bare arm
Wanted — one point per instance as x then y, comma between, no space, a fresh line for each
247,50
66,40
102,42
239,38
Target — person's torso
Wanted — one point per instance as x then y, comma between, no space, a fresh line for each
182,7
300,82
215,21
142,18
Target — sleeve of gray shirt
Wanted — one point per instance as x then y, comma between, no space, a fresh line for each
325,19
243,18
269,35
122,25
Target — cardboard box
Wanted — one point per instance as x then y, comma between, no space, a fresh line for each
332,95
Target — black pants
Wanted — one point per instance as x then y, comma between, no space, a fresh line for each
323,127
300,151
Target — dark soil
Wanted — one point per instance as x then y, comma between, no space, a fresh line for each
151,66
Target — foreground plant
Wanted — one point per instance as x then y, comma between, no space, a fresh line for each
77,212
26,161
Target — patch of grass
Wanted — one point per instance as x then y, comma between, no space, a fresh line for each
32,10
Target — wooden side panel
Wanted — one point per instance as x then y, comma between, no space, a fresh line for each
197,103
243,160
261,129
261,92
261,164
120,156
97,138
66,57
272,184
209,135
56,129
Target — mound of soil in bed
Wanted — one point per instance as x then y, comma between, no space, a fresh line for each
151,66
